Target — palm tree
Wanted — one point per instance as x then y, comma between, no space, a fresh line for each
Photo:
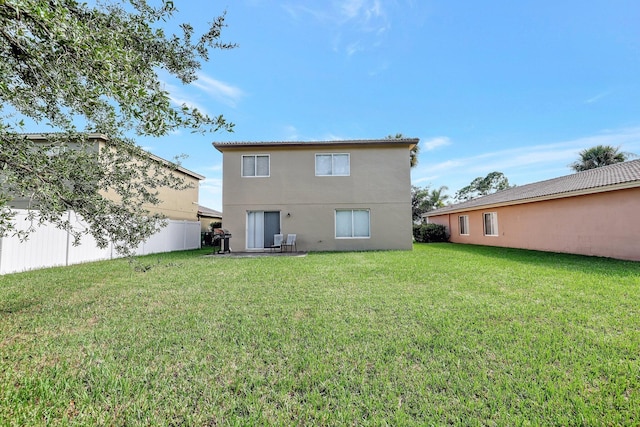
413,156
598,156
437,198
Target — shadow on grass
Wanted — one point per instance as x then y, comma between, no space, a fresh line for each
570,262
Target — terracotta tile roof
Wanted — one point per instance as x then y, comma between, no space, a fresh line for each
386,141
607,178
205,211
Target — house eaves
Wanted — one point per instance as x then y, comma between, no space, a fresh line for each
608,178
405,142
208,212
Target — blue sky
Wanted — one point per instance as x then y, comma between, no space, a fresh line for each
517,87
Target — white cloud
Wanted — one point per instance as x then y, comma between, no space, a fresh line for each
353,48
221,91
179,98
433,143
291,133
380,68
215,168
333,137
207,86
355,25
528,164
298,11
211,193
598,97
424,179
554,152
447,165
361,10
351,8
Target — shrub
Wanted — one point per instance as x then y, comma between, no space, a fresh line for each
429,233
215,224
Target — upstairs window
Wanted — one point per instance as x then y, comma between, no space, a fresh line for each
490,223
463,220
255,165
332,165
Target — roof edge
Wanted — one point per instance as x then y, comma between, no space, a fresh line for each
583,192
105,138
410,142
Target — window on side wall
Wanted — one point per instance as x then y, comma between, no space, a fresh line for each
490,223
353,224
463,221
333,164
255,165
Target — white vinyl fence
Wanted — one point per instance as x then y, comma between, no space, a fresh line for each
49,246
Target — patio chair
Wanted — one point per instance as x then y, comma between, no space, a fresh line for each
277,242
290,243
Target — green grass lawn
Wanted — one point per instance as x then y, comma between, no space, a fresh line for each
445,334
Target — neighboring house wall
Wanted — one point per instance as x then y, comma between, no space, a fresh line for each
378,183
207,216
179,204
175,204
205,223
601,224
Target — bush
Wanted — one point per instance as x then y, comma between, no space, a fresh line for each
429,233
215,224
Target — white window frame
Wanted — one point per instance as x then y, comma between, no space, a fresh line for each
463,225
255,166
368,236
493,221
333,164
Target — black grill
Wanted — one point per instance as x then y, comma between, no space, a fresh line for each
221,236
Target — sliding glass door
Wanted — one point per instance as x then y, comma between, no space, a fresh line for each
261,226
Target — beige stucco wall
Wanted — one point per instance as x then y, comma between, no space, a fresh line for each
205,222
379,181
603,224
175,204
178,204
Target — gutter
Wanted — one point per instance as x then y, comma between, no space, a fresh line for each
584,192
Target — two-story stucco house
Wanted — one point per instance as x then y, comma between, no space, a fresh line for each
334,195
174,204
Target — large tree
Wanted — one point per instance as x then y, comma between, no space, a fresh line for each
481,186
424,199
598,156
77,69
420,202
